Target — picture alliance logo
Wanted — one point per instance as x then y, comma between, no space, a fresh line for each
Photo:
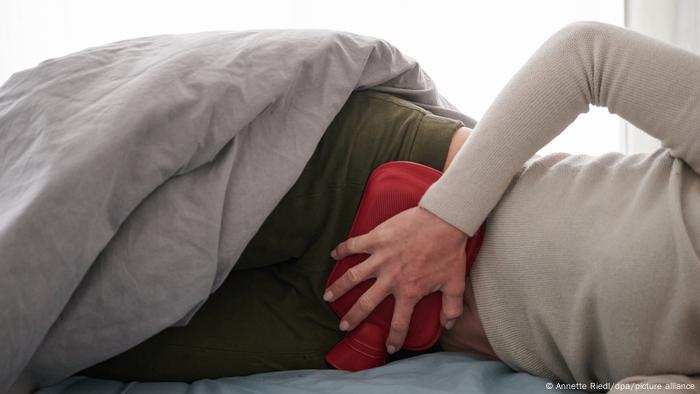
621,386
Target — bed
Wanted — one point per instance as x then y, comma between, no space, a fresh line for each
441,372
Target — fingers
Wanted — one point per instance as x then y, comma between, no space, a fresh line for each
351,278
364,306
360,244
399,324
452,303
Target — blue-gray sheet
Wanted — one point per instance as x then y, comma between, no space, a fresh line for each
430,373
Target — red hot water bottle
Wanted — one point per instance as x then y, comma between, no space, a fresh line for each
391,188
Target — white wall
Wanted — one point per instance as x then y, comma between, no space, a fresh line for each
470,48
674,21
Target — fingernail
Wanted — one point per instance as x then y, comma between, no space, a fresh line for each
450,324
344,325
390,349
327,295
334,255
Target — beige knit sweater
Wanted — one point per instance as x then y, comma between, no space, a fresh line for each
590,269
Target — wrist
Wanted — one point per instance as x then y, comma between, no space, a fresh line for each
447,227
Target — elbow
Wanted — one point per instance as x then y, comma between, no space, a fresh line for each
584,35
584,29
582,46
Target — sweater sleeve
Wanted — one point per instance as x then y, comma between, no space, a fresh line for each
653,85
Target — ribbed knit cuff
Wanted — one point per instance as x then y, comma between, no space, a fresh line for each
439,201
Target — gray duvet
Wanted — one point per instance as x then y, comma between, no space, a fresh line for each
132,175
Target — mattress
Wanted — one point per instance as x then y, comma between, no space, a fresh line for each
430,373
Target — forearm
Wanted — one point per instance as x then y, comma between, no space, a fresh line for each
653,85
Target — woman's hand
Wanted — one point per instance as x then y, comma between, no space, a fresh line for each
412,254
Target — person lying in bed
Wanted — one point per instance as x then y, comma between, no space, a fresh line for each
589,271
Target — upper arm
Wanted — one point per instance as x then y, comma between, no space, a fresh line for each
651,84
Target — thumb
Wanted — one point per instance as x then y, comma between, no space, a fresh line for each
452,302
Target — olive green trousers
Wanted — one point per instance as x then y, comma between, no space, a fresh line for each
269,314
